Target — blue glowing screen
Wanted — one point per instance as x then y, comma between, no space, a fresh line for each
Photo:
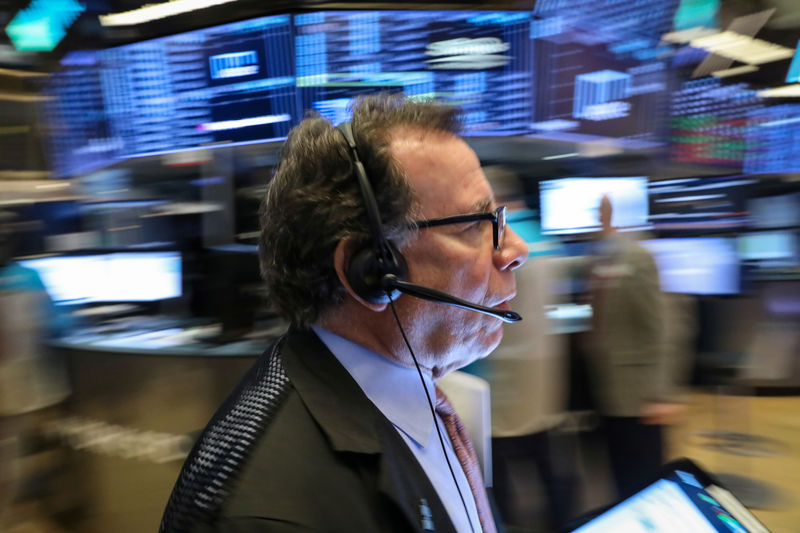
227,84
480,61
113,277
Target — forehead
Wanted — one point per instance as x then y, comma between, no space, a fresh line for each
443,170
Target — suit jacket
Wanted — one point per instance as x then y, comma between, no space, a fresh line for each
328,460
628,352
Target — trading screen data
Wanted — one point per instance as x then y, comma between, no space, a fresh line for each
79,135
709,121
592,82
230,83
480,61
578,71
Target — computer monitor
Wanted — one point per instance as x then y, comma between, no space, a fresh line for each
775,211
593,82
227,84
697,265
113,277
569,205
769,249
481,61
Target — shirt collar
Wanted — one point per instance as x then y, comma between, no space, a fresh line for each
395,390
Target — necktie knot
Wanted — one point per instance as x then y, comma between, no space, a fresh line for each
443,406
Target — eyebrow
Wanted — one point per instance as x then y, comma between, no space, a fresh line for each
482,206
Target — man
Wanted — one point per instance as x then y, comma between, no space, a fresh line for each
33,387
332,429
633,376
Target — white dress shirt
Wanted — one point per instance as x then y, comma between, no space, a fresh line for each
398,394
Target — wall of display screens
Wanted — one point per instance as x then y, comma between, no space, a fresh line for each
574,73
252,81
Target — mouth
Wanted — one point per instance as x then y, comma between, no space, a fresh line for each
503,304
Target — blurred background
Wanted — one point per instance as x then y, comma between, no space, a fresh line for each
136,143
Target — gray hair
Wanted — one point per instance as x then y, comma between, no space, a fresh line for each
314,201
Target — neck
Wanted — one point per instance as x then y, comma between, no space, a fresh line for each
376,331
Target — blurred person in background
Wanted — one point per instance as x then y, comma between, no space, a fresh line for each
528,374
630,365
33,387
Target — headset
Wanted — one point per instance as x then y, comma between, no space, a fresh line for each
378,273
370,265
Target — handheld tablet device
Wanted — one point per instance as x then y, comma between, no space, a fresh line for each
683,499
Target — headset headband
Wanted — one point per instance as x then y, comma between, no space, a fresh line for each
370,203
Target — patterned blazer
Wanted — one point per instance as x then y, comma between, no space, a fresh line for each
629,360
299,447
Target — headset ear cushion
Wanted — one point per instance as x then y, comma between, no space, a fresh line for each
366,271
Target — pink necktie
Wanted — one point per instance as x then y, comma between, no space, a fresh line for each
465,452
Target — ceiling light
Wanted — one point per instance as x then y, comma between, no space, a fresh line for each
684,36
787,91
152,12
23,97
745,69
742,48
15,73
560,156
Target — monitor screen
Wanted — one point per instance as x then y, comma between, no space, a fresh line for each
681,500
79,138
232,83
697,265
569,205
480,61
778,211
700,204
769,248
709,122
772,140
229,83
113,277
594,82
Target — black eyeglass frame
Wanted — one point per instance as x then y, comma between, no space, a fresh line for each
496,216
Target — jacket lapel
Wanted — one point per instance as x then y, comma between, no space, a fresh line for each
403,481
325,387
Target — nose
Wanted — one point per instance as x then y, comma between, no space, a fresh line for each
513,253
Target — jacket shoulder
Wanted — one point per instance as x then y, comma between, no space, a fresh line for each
223,448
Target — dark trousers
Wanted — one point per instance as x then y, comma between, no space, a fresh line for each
552,456
635,452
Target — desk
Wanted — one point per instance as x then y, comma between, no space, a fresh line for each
132,418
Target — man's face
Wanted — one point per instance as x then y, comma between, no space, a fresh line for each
458,259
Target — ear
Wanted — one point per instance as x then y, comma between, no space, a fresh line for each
341,261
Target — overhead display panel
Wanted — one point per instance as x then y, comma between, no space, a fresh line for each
232,83
480,61
79,135
709,122
229,83
602,71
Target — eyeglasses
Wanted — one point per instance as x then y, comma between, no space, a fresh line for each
498,218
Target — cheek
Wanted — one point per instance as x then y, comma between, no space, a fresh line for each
461,272
475,276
